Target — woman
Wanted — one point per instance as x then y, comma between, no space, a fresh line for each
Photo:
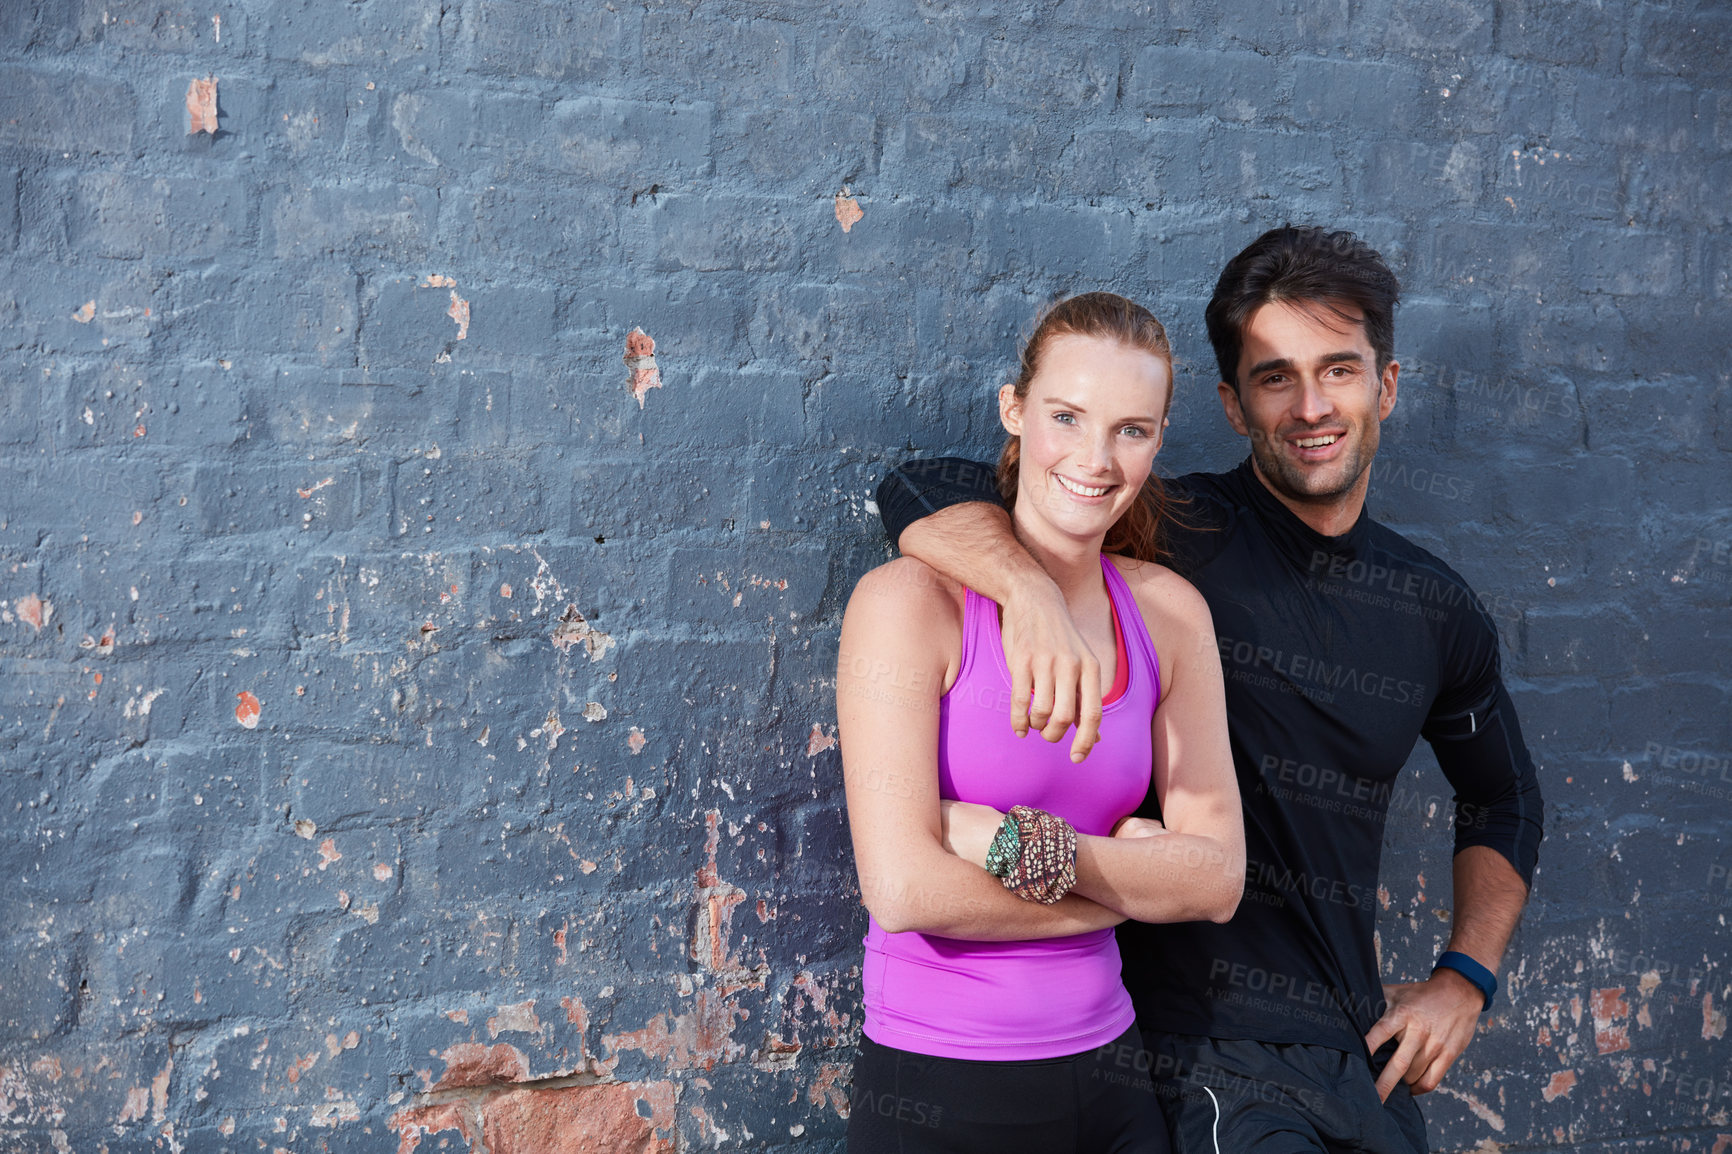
995,1017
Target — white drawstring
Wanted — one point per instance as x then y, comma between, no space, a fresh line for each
1215,1133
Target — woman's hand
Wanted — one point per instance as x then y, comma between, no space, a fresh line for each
1133,826
969,829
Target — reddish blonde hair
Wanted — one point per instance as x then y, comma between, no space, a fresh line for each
1107,316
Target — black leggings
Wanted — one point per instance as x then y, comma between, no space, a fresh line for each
1097,1102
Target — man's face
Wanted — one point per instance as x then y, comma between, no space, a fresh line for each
1311,400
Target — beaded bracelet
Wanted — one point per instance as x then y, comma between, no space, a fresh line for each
1006,848
1045,866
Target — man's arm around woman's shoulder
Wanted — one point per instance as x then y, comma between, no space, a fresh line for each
1197,871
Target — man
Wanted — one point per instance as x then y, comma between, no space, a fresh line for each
1342,644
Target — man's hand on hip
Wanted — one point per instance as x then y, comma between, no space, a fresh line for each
1434,1021
1055,679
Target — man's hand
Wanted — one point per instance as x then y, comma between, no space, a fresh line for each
1435,1021
1055,679
968,829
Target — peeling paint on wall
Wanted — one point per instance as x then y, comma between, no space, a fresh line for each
1713,1021
848,212
472,1064
248,711
695,1040
573,629
518,1017
830,1086
640,359
201,106
34,611
1611,1026
459,312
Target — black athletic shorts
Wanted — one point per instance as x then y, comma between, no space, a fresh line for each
1097,1102
1225,1096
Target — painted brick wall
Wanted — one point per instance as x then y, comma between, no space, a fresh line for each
415,713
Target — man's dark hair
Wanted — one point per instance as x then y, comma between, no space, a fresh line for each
1303,265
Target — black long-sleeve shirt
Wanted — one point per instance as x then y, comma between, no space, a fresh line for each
1339,653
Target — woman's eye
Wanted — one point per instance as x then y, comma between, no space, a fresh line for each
1135,430
1064,418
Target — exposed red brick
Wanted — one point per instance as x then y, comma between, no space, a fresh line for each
699,1039
136,1105
707,875
1611,1030
34,611
247,712
640,349
1560,1086
472,1064
459,312
416,1122
201,106
848,212
514,1017
159,1092
777,1055
718,906
1713,1021
605,1119
829,1086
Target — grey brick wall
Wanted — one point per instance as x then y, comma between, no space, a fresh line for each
411,739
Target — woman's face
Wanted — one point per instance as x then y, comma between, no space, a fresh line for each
1090,426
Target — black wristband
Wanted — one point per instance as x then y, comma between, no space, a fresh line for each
1483,979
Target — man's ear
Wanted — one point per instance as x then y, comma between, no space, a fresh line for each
1009,410
1386,390
1230,406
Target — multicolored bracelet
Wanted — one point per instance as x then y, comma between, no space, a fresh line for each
1044,868
1006,848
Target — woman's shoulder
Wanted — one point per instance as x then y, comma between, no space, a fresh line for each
1163,593
906,587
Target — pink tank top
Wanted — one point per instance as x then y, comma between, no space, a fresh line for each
1018,1001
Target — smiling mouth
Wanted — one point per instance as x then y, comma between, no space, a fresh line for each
1082,490
1321,442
